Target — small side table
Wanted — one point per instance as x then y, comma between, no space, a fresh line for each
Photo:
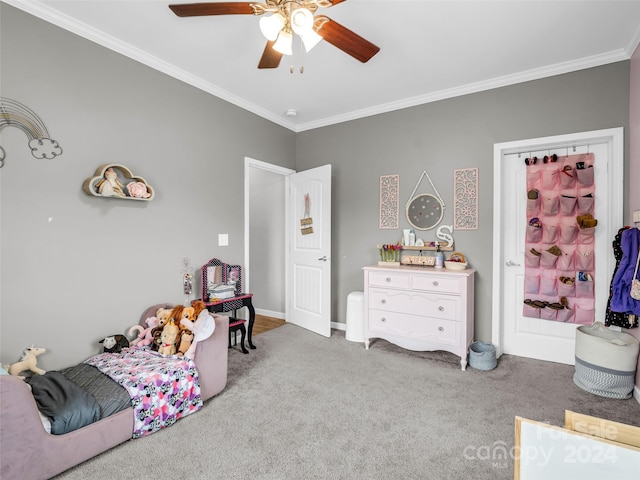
233,304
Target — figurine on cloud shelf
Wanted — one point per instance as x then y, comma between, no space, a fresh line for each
110,186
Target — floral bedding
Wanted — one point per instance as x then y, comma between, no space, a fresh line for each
163,388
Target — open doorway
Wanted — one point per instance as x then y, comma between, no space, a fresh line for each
264,236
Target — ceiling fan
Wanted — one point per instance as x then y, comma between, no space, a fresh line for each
286,18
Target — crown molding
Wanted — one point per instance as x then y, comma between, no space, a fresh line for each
521,77
65,22
50,15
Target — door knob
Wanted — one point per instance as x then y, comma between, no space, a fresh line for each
323,258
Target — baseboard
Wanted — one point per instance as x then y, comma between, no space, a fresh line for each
270,313
338,326
636,393
282,316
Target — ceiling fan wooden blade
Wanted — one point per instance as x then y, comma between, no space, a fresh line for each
212,8
336,2
270,57
344,39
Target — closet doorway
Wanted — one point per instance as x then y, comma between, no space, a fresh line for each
512,332
264,235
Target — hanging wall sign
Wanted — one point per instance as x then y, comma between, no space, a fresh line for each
465,199
306,223
389,188
425,211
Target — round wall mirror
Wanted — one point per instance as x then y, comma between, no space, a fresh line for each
424,211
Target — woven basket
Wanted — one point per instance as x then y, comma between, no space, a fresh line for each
605,361
482,356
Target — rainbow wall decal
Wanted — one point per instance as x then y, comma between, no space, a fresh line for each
15,114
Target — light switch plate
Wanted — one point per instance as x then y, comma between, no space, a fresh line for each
223,239
636,216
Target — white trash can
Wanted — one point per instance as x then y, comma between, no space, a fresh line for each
355,317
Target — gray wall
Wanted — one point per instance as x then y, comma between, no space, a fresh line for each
440,137
267,241
100,262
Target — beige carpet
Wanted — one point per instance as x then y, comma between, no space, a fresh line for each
303,406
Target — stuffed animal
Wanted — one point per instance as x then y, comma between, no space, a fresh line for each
145,336
202,329
114,343
186,338
163,315
179,312
169,338
28,361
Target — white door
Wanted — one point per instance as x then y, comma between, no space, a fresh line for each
536,338
309,250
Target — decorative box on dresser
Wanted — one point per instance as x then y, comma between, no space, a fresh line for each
420,308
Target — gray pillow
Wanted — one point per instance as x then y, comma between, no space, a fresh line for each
68,406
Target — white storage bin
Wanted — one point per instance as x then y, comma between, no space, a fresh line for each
605,361
355,317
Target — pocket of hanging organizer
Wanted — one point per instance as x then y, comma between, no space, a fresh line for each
565,315
549,179
586,235
567,178
585,176
585,205
531,312
548,260
584,259
584,289
533,179
534,234
533,206
547,313
531,260
548,285
567,205
584,316
549,233
565,261
565,290
531,283
550,205
568,232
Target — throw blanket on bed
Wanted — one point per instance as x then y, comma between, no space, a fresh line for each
162,388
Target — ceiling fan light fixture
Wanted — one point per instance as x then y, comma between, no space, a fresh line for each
301,21
310,40
284,43
270,26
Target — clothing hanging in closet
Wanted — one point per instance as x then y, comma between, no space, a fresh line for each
621,300
618,319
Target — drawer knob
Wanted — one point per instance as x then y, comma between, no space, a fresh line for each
441,329
388,279
383,319
441,308
384,300
435,283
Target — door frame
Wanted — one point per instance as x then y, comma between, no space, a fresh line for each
614,138
251,163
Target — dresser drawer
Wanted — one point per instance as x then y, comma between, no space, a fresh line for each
390,279
414,326
414,303
437,283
